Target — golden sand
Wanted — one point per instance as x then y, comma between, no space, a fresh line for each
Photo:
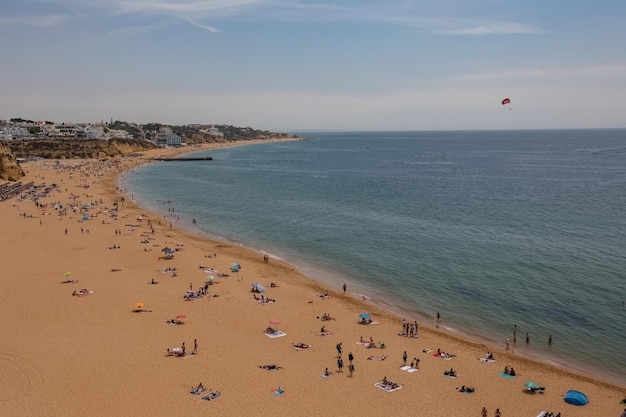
64,355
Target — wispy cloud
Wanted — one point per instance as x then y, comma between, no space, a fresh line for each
492,28
201,26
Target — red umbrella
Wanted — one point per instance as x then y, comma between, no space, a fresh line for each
181,316
274,321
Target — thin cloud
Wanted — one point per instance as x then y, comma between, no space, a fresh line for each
492,29
201,26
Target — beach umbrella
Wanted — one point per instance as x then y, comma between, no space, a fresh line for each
364,316
274,321
210,277
258,287
67,274
138,305
530,384
181,316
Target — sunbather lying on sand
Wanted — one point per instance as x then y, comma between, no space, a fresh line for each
69,281
272,367
300,345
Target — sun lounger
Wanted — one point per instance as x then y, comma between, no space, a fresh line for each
409,369
505,375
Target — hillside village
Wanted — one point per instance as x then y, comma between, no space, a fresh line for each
22,139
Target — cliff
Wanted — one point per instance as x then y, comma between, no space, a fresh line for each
77,148
9,169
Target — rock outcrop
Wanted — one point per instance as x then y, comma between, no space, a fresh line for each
9,168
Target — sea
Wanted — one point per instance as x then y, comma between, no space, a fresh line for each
498,231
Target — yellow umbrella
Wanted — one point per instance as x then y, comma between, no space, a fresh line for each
67,274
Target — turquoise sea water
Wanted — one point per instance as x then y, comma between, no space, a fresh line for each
489,228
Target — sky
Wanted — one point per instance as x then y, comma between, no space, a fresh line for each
293,65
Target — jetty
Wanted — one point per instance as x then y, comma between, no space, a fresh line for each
182,159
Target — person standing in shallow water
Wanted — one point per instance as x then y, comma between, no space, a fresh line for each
344,287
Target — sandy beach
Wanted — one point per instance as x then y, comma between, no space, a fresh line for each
104,352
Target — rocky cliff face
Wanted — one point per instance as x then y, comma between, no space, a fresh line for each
9,169
77,148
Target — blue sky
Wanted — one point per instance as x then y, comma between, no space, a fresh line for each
288,65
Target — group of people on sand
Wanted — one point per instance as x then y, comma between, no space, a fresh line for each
270,330
409,329
81,292
509,371
263,299
496,414
371,344
550,414
326,317
443,355
451,373
468,390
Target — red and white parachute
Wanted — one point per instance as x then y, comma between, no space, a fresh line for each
506,101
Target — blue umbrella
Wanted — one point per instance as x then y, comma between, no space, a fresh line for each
530,384
364,315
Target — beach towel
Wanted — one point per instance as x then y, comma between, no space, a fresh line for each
276,334
387,387
212,396
324,334
409,369
485,360
278,391
504,375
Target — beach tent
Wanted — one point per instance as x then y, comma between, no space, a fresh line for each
575,397
234,267
258,287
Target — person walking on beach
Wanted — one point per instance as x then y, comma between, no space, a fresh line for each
183,348
339,349
340,365
350,357
195,346
404,356
497,413
351,370
484,412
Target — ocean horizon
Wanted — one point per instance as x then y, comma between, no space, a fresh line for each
492,229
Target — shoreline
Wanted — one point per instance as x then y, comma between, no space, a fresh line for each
399,314
71,352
